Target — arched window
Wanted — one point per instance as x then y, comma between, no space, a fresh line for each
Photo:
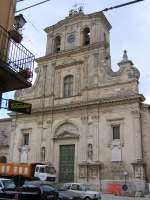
86,36
3,159
68,86
43,153
57,43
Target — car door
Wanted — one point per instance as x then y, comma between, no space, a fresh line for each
48,192
1,190
1,186
4,193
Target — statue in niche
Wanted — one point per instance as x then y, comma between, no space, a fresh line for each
90,151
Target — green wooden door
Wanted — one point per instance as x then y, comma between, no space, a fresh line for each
66,163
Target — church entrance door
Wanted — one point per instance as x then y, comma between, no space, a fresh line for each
66,163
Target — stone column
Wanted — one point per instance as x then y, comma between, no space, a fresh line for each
84,130
50,142
137,135
96,137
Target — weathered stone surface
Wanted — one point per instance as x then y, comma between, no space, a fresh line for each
101,100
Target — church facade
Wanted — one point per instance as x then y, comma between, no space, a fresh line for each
87,120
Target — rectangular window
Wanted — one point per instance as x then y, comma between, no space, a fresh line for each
116,132
26,139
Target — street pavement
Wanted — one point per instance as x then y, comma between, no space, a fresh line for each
112,197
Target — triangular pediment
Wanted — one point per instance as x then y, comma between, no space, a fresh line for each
66,135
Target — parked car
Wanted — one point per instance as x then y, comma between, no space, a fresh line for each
65,194
6,184
8,190
83,190
29,191
47,192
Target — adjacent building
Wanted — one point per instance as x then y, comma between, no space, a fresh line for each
5,131
16,64
87,120
7,10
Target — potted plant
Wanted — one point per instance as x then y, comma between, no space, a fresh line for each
26,73
15,35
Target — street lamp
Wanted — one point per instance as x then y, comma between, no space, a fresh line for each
15,34
19,21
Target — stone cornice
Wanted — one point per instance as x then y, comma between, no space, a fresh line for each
79,17
109,85
5,119
102,102
69,64
4,145
111,101
70,52
90,163
84,89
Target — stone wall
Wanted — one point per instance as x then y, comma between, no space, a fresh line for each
5,131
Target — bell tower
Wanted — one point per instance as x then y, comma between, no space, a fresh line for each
84,38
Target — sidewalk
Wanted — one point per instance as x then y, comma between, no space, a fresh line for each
112,197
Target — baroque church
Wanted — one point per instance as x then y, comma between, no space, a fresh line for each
88,121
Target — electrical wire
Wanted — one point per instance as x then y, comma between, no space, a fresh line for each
32,5
19,0
121,5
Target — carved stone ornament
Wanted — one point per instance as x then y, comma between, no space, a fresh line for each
3,138
66,135
71,38
89,169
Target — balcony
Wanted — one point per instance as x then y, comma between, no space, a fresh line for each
16,63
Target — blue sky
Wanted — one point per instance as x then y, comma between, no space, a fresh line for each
130,31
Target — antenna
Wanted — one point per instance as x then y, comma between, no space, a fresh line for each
75,5
76,9
78,6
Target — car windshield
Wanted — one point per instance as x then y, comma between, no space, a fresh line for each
8,184
50,170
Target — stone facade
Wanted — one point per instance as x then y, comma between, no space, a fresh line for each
99,112
5,131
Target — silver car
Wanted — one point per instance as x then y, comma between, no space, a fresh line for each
83,190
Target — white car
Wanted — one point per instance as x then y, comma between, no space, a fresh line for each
6,183
83,190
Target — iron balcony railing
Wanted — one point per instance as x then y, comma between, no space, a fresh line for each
16,56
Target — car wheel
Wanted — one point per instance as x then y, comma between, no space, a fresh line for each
87,198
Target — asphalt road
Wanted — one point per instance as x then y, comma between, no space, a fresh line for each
112,197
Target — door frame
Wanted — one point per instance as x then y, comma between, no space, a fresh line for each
56,158
73,148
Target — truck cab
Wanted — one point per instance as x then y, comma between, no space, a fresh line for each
45,172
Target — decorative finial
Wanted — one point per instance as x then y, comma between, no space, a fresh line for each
125,59
125,56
